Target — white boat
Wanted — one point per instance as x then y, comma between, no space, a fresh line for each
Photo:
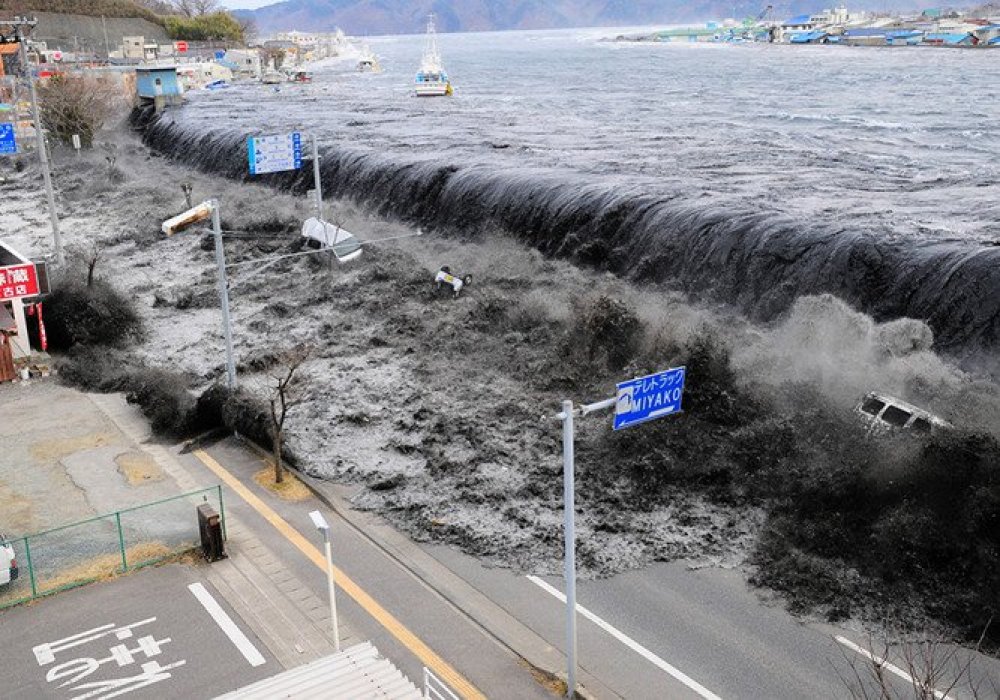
368,63
432,80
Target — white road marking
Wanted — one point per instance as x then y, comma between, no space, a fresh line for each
889,667
227,625
630,643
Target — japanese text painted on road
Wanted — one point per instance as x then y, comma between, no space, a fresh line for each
87,676
18,281
648,398
8,142
272,154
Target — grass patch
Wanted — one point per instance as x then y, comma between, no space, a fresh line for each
290,489
54,450
104,567
138,468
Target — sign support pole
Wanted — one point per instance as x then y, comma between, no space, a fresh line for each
569,532
43,155
227,326
316,177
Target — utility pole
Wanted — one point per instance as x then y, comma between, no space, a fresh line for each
107,46
21,24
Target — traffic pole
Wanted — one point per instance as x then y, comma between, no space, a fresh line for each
331,590
569,531
316,177
220,261
43,155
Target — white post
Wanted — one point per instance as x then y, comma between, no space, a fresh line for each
318,186
330,587
43,155
227,327
569,511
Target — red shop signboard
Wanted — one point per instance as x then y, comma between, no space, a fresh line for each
18,281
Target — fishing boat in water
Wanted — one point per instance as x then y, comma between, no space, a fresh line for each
432,79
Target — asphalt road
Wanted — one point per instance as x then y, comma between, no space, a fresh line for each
705,624
147,635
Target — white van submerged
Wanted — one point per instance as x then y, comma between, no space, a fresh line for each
884,411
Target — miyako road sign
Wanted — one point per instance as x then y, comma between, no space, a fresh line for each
272,154
8,143
648,398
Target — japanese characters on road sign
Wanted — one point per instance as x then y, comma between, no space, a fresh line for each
8,142
648,398
272,154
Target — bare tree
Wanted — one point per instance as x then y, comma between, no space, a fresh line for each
286,395
75,104
249,27
90,254
196,8
928,670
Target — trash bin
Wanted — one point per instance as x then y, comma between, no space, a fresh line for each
210,527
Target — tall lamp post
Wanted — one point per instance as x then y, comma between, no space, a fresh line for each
320,522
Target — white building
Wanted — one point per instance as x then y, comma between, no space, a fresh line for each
244,63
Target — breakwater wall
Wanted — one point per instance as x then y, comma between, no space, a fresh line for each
756,260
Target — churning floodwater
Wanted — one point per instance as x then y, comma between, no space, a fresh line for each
750,174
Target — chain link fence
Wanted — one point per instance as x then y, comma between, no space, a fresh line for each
90,550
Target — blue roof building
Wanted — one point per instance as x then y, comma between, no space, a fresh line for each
948,39
157,81
816,37
798,21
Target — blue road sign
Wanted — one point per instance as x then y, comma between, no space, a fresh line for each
219,55
8,144
272,154
648,398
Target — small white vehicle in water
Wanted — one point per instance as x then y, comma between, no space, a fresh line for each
456,282
8,564
887,412
322,235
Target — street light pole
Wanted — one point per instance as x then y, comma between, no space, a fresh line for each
569,528
220,261
43,156
320,522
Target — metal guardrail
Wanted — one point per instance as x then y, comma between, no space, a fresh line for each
435,688
72,555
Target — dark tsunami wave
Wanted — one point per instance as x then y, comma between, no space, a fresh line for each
756,260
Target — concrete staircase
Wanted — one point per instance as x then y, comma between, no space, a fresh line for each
357,673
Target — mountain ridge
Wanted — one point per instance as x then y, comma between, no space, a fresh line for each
372,17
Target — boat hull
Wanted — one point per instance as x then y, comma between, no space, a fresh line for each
433,89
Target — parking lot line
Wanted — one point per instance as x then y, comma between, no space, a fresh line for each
235,634
407,638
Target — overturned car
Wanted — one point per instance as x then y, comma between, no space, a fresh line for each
887,413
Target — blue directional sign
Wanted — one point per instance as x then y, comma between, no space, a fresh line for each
272,154
8,144
648,398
